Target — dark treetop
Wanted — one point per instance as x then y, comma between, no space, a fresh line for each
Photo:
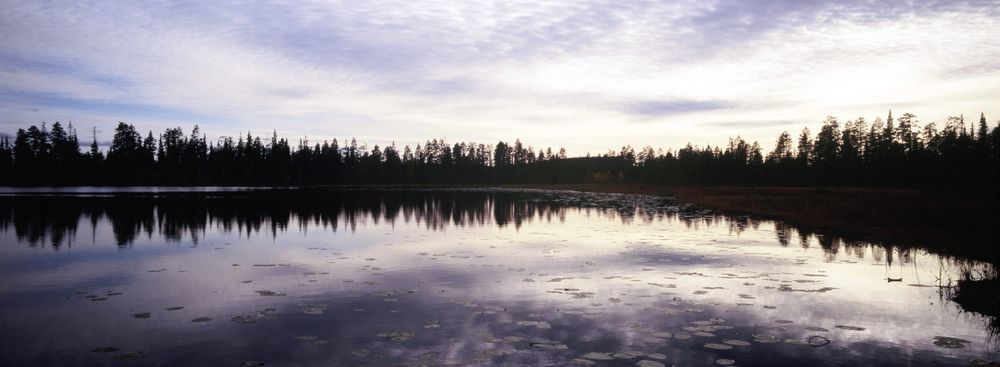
893,152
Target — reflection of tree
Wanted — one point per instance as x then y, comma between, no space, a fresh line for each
175,217
183,215
43,220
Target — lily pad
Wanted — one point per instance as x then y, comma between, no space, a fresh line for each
724,362
202,319
648,363
105,349
597,356
735,342
765,339
849,327
397,336
142,315
251,364
795,342
950,343
130,356
818,341
545,345
717,346
175,308
536,324
244,319
313,311
269,293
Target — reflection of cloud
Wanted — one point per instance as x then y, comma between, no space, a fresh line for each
385,276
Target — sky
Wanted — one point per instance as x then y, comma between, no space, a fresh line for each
587,76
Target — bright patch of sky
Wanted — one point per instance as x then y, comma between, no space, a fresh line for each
588,76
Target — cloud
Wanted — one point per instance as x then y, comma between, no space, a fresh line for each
737,124
484,71
671,108
125,108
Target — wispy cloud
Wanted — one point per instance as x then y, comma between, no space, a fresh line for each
671,108
484,71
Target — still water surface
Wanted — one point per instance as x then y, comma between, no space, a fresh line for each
455,277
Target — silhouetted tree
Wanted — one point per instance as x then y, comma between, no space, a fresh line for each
884,154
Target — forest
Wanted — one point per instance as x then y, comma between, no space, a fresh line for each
895,152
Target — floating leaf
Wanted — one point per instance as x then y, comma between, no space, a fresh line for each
244,319
765,339
597,356
818,341
950,343
545,345
849,327
313,311
648,363
269,293
130,356
718,346
397,336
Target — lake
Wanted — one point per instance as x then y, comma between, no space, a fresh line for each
415,277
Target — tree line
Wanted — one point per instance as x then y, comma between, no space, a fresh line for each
890,152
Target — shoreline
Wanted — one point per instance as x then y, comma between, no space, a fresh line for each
955,224
895,215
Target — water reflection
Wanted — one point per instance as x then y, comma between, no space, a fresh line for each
186,215
457,277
